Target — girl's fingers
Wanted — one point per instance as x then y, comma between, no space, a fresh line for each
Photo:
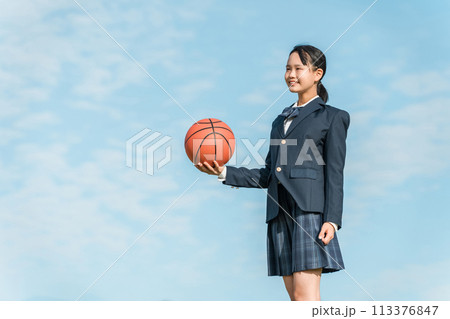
327,238
207,168
325,235
201,168
217,167
211,170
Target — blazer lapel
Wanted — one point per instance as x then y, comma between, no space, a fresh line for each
280,125
314,105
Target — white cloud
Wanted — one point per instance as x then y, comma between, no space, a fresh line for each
362,118
422,84
256,98
389,147
410,142
411,280
7,135
35,120
192,90
99,107
51,48
59,212
391,67
372,97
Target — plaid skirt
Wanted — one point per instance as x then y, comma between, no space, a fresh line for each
295,245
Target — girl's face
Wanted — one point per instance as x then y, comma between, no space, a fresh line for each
300,78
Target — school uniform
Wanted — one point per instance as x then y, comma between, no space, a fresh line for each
304,178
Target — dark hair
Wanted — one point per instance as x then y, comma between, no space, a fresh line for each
315,57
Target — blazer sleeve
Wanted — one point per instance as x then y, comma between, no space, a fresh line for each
334,156
250,178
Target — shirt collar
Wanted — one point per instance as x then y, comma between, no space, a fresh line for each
303,105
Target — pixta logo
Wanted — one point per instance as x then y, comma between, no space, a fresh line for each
142,147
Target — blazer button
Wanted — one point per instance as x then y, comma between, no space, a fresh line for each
278,169
279,182
283,141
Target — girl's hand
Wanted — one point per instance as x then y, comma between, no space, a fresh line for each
327,233
208,169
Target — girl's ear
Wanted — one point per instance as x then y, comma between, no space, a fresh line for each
318,74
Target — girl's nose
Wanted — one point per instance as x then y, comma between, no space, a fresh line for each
292,75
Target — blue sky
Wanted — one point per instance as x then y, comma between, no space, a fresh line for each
70,98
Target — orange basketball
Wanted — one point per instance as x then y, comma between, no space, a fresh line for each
208,140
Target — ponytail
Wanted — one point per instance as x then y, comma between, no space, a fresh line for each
322,92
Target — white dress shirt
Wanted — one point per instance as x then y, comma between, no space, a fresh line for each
287,123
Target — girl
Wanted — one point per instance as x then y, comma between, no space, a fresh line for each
304,178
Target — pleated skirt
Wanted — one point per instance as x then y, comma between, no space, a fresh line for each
293,244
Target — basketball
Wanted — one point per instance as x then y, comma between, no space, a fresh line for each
208,140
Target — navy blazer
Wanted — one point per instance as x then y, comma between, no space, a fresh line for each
315,184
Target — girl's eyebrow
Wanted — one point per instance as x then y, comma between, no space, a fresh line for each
294,65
